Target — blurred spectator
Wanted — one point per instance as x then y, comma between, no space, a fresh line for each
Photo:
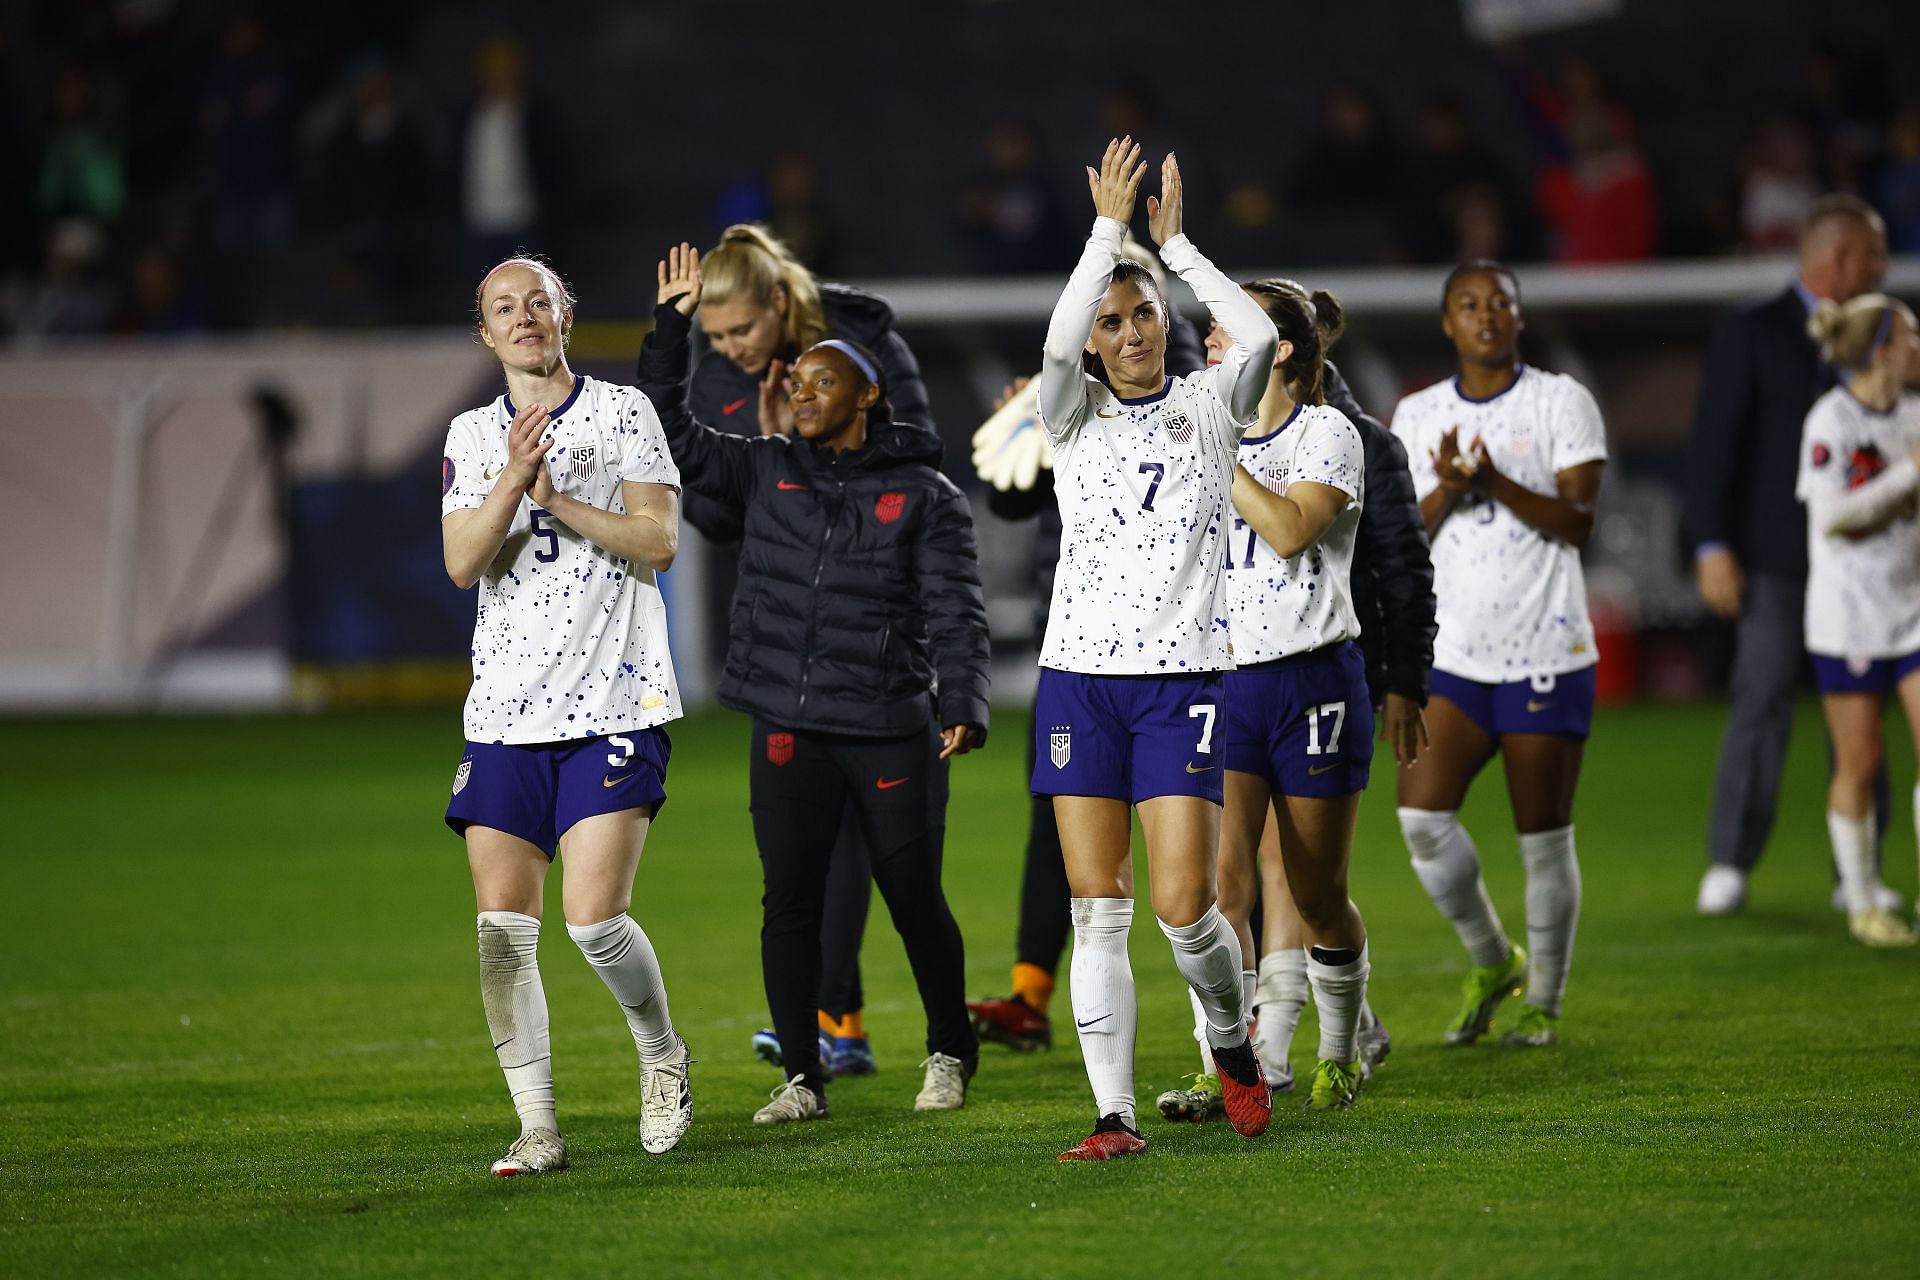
1350,182
1595,191
1477,218
1900,182
1778,187
500,174
156,299
1845,115
1010,214
1456,192
82,174
73,296
247,114
373,195
786,200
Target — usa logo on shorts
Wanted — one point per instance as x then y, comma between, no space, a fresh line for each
461,775
1060,747
1180,427
779,747
887,508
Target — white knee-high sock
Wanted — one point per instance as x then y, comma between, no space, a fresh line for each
1449,868
1278,999
1339,989
1853,857
1553,912
516,1007
1207,953
1100,981
619,951
1207,1067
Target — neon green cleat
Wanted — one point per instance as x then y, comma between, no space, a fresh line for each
1486,986
1335,1086
1536,1029
1197,1104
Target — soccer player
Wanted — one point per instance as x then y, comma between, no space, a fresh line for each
1859,473
561,501
859,597
1507,460
1128,710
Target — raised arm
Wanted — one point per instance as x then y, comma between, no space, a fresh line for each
1248,364
712,463
947,569
1063,387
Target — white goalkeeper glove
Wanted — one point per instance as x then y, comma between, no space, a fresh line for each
1010,448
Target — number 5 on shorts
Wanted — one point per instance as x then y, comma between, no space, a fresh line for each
1338,710
1205,712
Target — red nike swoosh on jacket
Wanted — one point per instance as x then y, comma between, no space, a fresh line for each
788,484
884,785
729,409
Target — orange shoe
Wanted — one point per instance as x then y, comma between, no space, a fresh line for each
1010,1021
1244,1089
1110,1140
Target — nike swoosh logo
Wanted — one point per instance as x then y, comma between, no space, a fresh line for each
508,1040
488,475
1191,769
614,780
1084,1025
1538,706
884,785
1314,771
789,485
731,409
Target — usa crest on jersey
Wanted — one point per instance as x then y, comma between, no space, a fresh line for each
1060,747
580,462
1179,427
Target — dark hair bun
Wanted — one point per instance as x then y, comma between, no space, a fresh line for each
1329,317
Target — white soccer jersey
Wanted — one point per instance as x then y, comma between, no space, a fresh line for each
1512,601
1281,606
1856,472
570,641
1143,484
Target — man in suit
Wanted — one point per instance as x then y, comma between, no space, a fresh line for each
1748,532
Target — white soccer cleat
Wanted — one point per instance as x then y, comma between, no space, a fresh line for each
666,1102
792,1102
1880,928
945,1088
1723,891
535,1151
1884,898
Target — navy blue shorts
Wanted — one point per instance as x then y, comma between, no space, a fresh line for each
1303,723
1561,705
1128,738
1862,675
537,791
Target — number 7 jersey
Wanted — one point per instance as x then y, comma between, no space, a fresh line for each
570,640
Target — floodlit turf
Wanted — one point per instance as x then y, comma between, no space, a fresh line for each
243,1036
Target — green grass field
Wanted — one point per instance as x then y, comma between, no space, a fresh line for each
244,1037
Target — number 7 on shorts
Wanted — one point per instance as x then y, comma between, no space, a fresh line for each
1205,712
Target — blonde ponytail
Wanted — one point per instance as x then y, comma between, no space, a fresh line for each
1848,333
749,264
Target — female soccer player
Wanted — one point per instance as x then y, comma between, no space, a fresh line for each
1130,682
1507,459
1859,472
759,308
561,501
859,588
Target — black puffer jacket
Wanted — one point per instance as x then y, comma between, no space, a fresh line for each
725,398
1392,563
859,582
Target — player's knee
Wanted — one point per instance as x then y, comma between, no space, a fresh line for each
1428,832
1182,908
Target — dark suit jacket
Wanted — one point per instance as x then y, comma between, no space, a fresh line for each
1762,375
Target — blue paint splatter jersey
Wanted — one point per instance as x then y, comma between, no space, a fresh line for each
1512,601
1858,479
1283,605
570,640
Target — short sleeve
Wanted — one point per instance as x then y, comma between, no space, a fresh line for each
1579,436
644,456
1330,453
1819,444
1406,429
463,481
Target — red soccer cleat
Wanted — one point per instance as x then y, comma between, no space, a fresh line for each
1244,1089
1011,1021
1110,1139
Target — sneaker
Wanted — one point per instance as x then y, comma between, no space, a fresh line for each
1336,1086
1110,1139
1373,1044
1011,1021
1723,891
535,1151
1486,986
946,1084
851,1056
1885,898
1533,1030
1880,928
1197,1104
666,1102
766,1046
1243,1090
793,1101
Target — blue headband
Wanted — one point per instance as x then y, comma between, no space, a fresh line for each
852,353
